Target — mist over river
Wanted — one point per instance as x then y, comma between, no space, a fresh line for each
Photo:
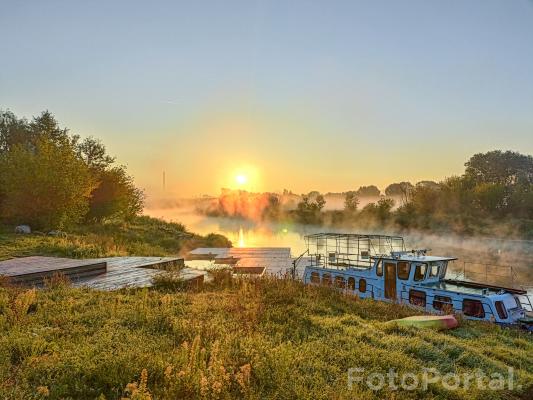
480,250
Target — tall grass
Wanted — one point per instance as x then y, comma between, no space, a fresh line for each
235,338
142,236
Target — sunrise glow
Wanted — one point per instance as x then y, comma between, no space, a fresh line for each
241,179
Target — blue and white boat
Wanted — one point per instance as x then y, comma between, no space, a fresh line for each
379,267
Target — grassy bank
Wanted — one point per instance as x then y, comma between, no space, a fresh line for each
264,339
142,236
233,339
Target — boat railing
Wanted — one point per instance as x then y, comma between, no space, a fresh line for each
525,300
495,274
340,261
347,250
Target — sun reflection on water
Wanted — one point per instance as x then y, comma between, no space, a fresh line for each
241,242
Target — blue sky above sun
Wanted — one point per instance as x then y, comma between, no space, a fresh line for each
325,95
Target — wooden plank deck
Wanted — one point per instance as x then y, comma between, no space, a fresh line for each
240,252
248,260
129,272
102,273
33,270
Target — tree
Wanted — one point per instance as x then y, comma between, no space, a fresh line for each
384,207
368,191
351,201
424,200
398,189
313,194
320,202
309,211
428,184
46,126
272,208
405,216
490,197
43,166
379,211
93,152
504,168
47,187
520,202
402,189
12,131
115,197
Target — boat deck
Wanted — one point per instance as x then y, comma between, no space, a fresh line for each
475,288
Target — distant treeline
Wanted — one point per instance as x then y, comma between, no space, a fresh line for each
51,179
493,196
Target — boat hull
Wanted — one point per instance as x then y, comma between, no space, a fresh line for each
439,322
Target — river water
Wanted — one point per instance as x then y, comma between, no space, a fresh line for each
494,252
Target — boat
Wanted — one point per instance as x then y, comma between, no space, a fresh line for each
379,267
439,322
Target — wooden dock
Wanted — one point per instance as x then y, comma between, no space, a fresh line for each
248,260
33,270
132,272
102,273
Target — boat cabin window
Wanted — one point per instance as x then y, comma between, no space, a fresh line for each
500,308
518,304
404,268
351,283
442,303
473,308
434,271
443,270
340,282
379,268
326,279
417,298
365,255
315,277
420,272
362,285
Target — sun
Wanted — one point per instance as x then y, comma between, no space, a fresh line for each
241,179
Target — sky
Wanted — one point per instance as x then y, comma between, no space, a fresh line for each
303,95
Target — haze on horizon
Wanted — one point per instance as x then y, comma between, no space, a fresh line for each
303,95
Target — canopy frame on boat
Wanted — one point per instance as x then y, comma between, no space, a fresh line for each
350,250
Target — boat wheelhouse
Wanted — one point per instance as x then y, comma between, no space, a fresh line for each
380,267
